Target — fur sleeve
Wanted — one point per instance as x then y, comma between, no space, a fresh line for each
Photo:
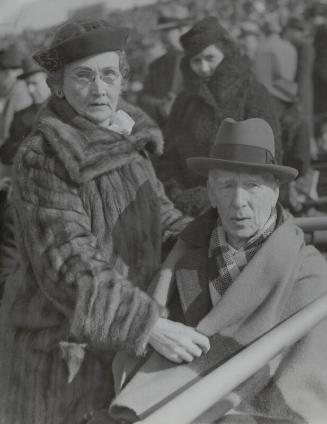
103,309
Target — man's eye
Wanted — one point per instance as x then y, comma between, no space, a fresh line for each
83,74
252,185
226,186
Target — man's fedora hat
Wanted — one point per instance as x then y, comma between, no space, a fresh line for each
30,67
246,146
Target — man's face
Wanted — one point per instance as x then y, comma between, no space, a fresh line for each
92,86
244,202
38,87
207,61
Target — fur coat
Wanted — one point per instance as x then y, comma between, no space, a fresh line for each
90,214
195,118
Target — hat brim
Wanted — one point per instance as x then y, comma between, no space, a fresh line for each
202,166
173,25
10,66
28,74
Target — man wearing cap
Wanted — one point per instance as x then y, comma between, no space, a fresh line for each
164,79
13,96
247,268
35,78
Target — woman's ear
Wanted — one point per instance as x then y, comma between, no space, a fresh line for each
59,92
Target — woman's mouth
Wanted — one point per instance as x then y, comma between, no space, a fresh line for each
99,105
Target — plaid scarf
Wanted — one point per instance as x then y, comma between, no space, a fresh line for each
228,262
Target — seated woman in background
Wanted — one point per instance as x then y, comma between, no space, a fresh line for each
218,83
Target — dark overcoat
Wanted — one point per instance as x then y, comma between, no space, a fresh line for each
164,79
20,128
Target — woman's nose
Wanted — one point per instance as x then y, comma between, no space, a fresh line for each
204,66
98,85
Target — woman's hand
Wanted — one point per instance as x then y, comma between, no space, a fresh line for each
177,342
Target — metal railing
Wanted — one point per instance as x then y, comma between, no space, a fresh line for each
218,385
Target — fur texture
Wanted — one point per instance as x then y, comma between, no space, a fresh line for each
90,214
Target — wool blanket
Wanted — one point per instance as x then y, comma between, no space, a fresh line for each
282,277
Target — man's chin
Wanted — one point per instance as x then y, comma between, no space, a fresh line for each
242,235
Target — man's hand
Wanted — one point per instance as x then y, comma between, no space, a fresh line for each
177,342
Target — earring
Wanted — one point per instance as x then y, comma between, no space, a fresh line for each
60,93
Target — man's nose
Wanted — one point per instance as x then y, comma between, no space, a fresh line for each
31,89
240,197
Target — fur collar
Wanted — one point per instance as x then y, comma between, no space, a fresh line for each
230,75
87,150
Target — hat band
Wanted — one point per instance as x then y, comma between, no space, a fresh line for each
243,153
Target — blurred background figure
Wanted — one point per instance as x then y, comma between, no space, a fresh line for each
249,38
296,32
35,79
218,83
164,80
281,64
320,82
275,62
14,95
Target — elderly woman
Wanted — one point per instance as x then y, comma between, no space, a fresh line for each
246,270
218,83
89,214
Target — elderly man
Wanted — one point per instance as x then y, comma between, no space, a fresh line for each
245,268
35,79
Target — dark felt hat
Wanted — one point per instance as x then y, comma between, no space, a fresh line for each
30,67
78,39
243,145
204,33
10,58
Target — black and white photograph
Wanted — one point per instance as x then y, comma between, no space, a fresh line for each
163,211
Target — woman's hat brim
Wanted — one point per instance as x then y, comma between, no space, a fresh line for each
162,26
202,166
